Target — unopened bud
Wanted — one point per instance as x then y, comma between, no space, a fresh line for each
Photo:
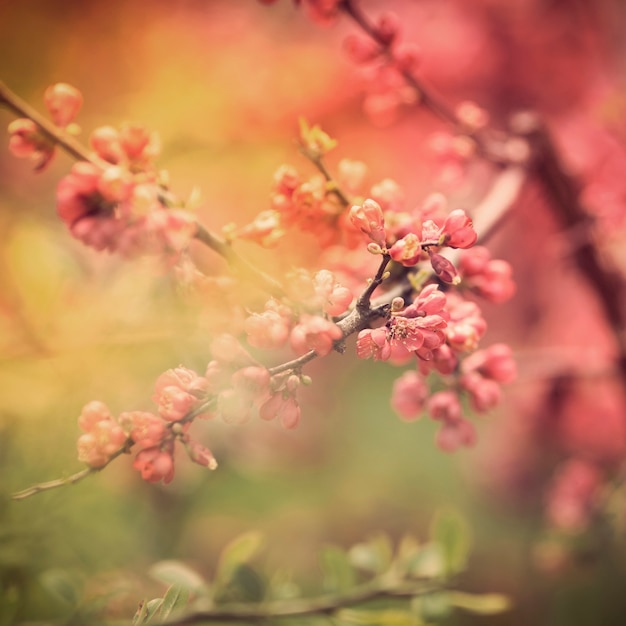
397,304
374,248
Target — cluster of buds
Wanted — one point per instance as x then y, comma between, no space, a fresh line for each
178,393
114,203
28,140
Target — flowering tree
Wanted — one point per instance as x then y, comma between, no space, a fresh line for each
371,275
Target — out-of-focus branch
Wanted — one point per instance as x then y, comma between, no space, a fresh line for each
75,149
563,192
325,605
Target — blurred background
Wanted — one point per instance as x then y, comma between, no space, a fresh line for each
224,82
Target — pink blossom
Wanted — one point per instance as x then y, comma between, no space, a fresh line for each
409,394
314,333
176,392
268,330
200,454
388,194
63,102
444,406
286,409
466,324
421,335
323,12
489,278
495,362
361,49
252,381
155,465
372,343
444,268
368,218
443,360
78,195
174,403
27,141
485,394
407,57
105,140
571,499
101,440
430,301
144,428
138,143
335,299
407,250
92,413
452,435
266,229
457,230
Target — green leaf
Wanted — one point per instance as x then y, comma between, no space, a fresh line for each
141,615
337,569
481,604
239,551
152,608
176,597
177,573
386,617
432,607
374,556
427,562
451,532
244,585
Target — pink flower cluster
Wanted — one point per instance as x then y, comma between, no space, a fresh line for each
417,330
116,207
28,140
317,298
245,389
482,374
178,392
490,278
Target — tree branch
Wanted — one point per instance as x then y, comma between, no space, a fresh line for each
325,605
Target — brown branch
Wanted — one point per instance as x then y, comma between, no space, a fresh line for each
21,108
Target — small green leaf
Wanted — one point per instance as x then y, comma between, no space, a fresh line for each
177,573
451,532
141,615
482,604
239,551
432,607
337,569
427,562
244,585
152,608
176,597
374,556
